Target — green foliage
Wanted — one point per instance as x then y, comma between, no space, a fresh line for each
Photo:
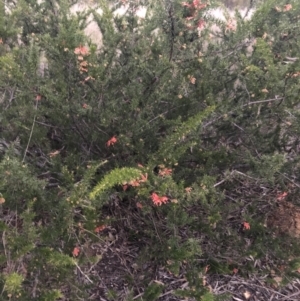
115,177
210,116
152,292
175,145
13,283
208,297
52,295
26,230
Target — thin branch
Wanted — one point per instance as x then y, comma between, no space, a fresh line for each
259,286
219,183
231,174
238,127
30,136
290,296
172,32
243,174
156,229
262,101
86,276
289,179
45,124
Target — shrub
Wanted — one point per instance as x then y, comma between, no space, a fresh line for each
192,138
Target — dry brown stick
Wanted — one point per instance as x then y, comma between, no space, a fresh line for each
290,296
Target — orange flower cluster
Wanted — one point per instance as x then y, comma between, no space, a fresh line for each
192,79
295,74
231,25
136,183
281,196
194,8
76,251
286,7
195,5
246,226
82,51
188,189
111,141
158,200
99,228
165,172
201,24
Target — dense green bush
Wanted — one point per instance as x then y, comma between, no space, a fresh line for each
185,127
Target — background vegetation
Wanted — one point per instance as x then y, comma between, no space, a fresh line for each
177,139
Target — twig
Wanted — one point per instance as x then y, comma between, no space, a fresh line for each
219,183
221,116
137,296
166,293
248,10
289,179
101,131
238,127
232,111
156,229
160,296
172,31
35,284
256,285
243,174
292,295
262,101
30,136
45,124
4,244
232,173
86,276
164,113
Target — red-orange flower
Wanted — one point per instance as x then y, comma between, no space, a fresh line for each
158,200
196,4
99,228
287,7
230,26
165,172
194,7
134,183
281,196
190,18
246,226
144,178
201,24
188,189
75,251
81,50
185,4
111,141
